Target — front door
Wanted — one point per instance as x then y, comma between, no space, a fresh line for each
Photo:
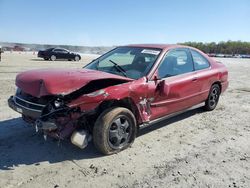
176,85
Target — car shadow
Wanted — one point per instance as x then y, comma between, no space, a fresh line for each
38,60
171,120
57,60
21,145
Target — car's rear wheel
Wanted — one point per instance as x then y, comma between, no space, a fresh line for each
53,58
114,130
213,98
77,58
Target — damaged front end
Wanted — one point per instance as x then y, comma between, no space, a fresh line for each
64,116
52,116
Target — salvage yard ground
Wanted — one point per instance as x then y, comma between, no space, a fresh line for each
195,149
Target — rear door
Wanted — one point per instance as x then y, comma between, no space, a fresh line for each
57,53
60,53
176,85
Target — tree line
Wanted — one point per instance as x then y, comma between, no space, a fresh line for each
229,47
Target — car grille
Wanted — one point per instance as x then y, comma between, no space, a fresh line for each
28,105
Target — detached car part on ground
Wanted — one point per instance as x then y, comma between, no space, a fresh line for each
112,97
58,53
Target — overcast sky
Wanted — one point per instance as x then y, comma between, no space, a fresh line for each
114,22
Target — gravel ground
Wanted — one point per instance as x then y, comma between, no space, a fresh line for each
195,149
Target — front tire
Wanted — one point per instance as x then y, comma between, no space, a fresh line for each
213,98
53,58
114,130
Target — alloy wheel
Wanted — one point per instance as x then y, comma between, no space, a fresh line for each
119,132
214,97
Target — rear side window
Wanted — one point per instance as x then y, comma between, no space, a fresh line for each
60,50
200,62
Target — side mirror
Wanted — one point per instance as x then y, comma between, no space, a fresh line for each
156,78
163,88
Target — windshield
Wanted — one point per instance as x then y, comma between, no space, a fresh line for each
131,62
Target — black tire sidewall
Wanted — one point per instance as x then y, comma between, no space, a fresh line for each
207,104
102,125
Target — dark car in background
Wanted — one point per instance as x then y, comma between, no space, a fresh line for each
58,53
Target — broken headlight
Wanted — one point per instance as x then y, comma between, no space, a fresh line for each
58,103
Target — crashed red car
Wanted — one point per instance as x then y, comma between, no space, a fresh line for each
128,88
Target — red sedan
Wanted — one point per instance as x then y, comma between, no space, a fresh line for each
128,88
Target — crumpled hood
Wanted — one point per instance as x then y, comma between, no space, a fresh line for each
59,81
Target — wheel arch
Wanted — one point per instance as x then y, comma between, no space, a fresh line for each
125,102
218,83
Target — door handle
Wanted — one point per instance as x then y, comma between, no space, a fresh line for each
194,79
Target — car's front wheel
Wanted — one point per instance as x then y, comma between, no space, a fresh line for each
114,130
213,98
53,58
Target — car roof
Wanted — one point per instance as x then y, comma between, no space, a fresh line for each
61,49
50,48
160,46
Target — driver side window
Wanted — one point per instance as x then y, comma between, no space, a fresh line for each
175,62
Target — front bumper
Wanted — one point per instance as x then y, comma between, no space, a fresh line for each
56,128
31,113
25,108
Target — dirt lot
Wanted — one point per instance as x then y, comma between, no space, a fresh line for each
195,149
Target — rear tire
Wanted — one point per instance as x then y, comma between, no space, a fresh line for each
213,98
114,130
77,58
53,58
